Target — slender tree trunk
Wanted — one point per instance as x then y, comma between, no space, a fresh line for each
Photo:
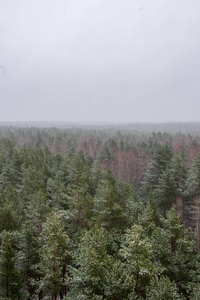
54,283
173,245
79,205
79,216
7,286
137,280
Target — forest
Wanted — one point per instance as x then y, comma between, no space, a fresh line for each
100,212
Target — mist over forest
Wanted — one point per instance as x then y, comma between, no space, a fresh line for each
99,150
141,127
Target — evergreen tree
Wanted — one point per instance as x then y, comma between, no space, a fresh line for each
92,260
54,254
161,158
107,210
8,212
35,214
98,273
79,189
174,251
193,193
57,192
136,251
9,276
162,289
166,190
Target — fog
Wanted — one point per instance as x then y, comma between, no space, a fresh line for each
100,60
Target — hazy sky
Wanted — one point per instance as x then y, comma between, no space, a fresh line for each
100,60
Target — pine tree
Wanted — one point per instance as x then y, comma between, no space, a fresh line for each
136,252
161,159
98,273
162,289
193,192
166,190
54,254
35,214
79,189
57,192
107,211
174,252
8,210
9,276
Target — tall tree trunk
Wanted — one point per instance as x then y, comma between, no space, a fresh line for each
54,283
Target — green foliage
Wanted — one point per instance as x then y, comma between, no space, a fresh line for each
105,154
162,289
174,250
136,252
147,220
107,210
194,291
99,275
125,241
161,158
79,189
193,181
8,217
9,276
92,261
57,191
166,190
54,253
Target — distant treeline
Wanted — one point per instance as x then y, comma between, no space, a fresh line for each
147,128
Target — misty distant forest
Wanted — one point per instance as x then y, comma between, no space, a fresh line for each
92,212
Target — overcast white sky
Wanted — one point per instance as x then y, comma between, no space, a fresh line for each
100,60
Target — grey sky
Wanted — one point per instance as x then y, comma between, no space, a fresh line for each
100,60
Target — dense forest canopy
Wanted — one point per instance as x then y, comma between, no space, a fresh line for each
99,212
